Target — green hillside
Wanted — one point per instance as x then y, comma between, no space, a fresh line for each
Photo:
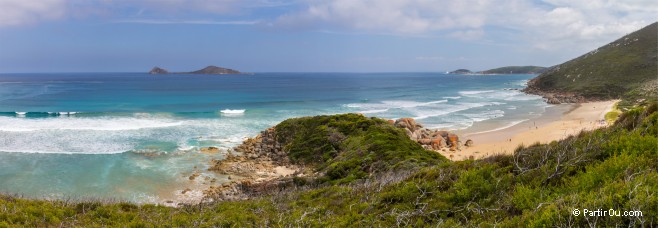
516,70
609,72
349,147
538,186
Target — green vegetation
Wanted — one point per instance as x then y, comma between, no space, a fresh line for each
538,186
612,115
350,146
516,70
621,69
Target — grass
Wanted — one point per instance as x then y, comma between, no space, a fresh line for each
537,186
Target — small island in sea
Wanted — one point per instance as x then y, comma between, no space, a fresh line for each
206,70
461,71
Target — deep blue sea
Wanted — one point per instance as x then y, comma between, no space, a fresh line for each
135,136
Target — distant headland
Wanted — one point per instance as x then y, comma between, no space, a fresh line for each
207,70
505,70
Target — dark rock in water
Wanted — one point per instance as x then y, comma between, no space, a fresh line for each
194,176
209,150
553,100
158,70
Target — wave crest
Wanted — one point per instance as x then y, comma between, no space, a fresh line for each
233,111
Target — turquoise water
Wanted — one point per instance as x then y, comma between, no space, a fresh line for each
135,136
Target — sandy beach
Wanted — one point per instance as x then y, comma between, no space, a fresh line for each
565,120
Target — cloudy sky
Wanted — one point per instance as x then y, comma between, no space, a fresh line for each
307,35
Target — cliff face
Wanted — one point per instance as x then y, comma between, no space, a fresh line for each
609,72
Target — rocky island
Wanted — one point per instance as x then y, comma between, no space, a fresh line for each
461,71
207,70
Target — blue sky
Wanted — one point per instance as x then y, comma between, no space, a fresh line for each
307,35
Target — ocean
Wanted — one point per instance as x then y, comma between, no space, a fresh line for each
136,137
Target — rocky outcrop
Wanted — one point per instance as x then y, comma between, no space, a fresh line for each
264,146
261,164
257,164
428,138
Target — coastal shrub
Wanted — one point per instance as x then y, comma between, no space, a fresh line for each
349,147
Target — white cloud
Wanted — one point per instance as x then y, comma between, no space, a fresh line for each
21,12
548,25
585,25
398,16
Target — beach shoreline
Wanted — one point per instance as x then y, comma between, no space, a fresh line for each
559,122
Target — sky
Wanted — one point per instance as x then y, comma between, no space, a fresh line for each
307,35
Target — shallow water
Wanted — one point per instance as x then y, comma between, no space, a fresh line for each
135,136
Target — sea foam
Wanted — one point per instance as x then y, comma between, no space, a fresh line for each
233,111
393,104
98,124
